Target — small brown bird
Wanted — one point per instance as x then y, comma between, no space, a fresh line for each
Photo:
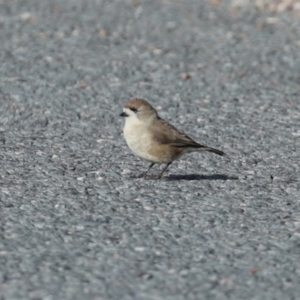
154,139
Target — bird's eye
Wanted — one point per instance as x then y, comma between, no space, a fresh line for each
133,109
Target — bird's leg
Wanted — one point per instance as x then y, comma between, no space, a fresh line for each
145,174
165,168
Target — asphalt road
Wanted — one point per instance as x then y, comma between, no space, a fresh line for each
75,223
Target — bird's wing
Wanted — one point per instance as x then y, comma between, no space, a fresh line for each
165,133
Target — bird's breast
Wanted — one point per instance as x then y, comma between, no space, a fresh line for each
137,138
140,140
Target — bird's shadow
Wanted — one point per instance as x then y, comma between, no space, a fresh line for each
201,177
190,177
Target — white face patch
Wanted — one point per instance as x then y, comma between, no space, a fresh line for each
128,111
132,116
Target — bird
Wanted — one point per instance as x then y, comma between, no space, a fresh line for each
154,139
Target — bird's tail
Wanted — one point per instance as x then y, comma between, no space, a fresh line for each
205,148
198,147
216,151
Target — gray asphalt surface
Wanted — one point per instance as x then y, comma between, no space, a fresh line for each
76,223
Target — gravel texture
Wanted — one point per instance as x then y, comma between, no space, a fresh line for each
76,224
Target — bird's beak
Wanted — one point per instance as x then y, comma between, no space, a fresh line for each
123,114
